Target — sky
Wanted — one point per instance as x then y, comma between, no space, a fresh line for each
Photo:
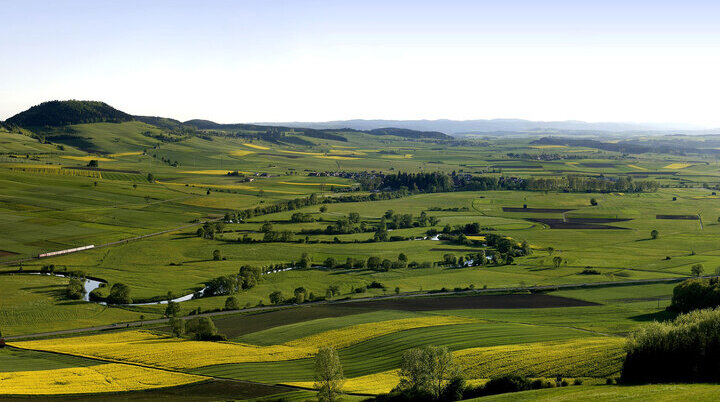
274,61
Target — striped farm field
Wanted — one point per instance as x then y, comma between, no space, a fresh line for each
87,158
255,146
591,357
377,383
677,166
382,353
340,338
121,154
163,351
211,172
111,377
241,152
636,167
548,146
290,183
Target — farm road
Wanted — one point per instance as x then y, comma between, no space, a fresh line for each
359,300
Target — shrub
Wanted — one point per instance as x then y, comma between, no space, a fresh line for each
684,350
505,384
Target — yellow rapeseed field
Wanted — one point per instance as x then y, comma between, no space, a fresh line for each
226,186
256,146
476,237
111,377
118,155
87,158
241,152
677,166
376,383
163,351
319,155
637,167
343,337
589,357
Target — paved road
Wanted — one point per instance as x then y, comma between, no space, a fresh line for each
364,299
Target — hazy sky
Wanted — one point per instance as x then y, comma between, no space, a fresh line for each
265,60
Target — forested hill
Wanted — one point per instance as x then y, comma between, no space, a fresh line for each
62,113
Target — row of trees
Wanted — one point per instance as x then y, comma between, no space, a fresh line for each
441,182
246,278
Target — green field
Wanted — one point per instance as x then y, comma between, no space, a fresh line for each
50,202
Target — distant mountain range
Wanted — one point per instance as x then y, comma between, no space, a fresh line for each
466,127
60,113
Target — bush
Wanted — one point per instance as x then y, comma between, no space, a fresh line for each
684,350
505,384
695,294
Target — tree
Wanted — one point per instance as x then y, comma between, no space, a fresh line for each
276,297
397,290
427,369
654,234
328,375
177,326
323,209
402,257
202,327
593,202
330,263
75,289
557,260
354,217
216,255
93,163
332,290
550,250
300,294
373,263
119,294
151,178
266,227
381,235
172,309
232,303
697,270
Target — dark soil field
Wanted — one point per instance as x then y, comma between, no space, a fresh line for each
537,210
570,224
518,166
241,324
682,217
596,220
538,300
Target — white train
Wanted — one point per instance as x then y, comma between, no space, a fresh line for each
67,251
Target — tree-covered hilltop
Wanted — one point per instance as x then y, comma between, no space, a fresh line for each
62,113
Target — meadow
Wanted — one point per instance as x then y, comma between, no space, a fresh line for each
51,200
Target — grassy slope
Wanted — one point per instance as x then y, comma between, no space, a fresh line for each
34,303
666,392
